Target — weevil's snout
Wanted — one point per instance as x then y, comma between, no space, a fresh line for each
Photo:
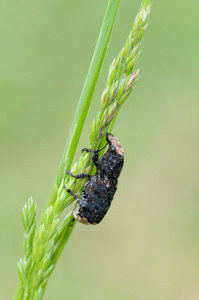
108,135
114,144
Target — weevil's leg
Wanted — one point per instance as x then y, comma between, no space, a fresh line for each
72,222
95,152
74,195
89,150
95,158
78,176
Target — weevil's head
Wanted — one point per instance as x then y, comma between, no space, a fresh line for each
113,160
114,145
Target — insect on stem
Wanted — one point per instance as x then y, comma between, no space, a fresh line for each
99,191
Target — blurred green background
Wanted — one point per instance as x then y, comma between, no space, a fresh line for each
147,247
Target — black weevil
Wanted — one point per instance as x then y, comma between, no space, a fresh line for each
101,187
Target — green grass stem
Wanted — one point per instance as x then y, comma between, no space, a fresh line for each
88,88
86,94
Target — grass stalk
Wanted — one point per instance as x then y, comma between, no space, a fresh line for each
86,95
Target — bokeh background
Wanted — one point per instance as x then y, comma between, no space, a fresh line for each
147,247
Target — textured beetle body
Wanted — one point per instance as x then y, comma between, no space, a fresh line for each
100,189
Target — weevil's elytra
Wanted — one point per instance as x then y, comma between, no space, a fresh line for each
100,189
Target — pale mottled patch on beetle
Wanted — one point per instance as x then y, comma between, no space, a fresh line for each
108,184
81,220
100,189
115,142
